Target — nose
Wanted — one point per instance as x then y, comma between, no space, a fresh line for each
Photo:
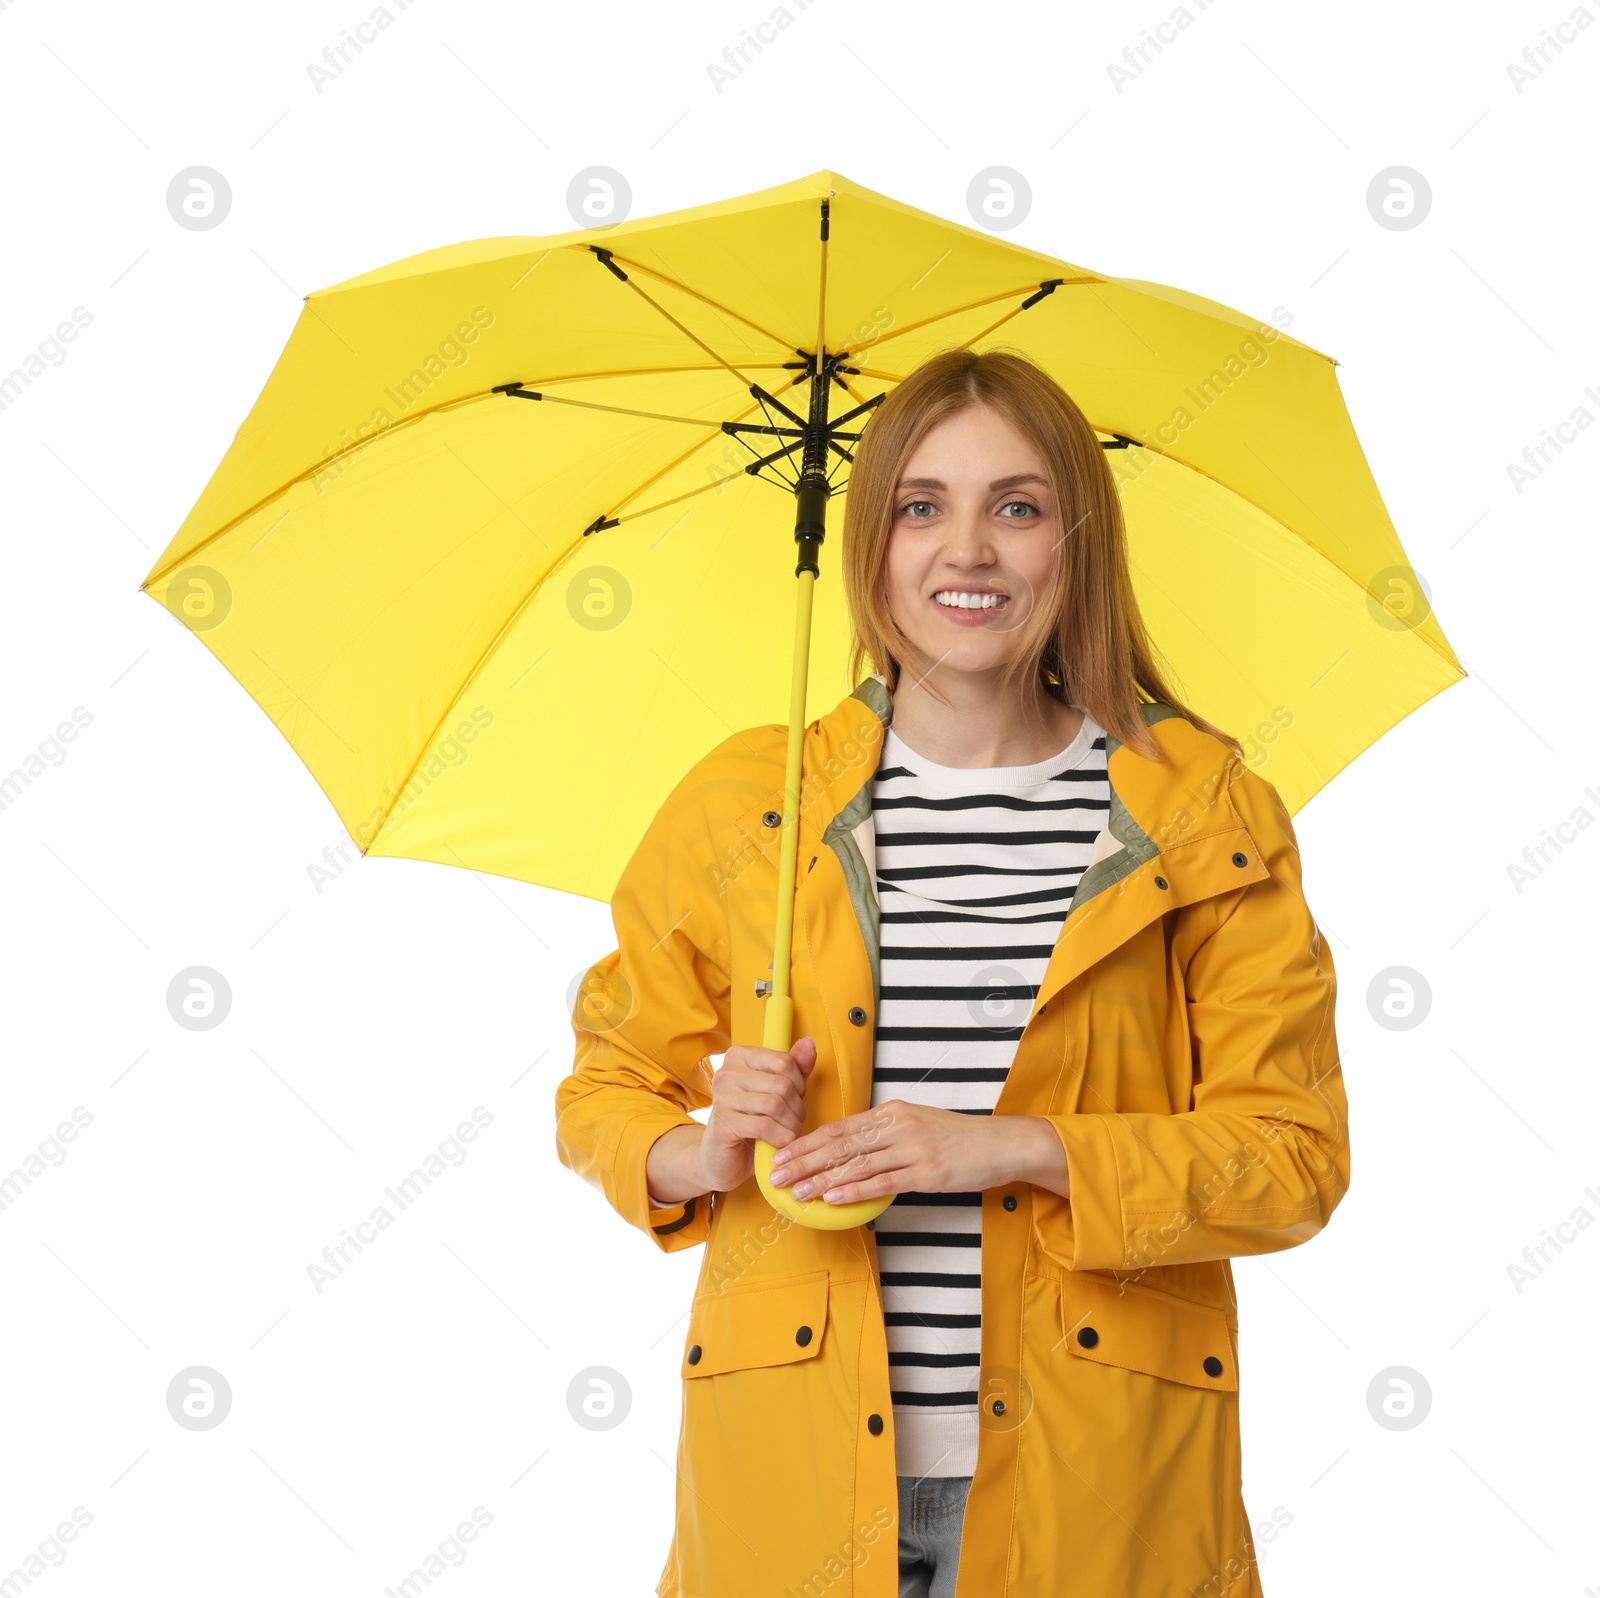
966,540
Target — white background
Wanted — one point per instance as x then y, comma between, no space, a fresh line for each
367,1421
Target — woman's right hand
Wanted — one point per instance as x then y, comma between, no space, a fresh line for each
755,1093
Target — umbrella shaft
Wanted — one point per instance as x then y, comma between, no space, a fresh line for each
811,513
780,1007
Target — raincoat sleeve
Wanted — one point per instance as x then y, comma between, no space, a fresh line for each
647,1019
1261,1159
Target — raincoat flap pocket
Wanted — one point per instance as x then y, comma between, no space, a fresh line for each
757,1323
1141,1329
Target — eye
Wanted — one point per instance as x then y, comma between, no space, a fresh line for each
911,505
1018,504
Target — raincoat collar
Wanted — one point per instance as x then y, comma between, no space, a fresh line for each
1172,835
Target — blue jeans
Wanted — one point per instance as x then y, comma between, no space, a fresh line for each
931,1509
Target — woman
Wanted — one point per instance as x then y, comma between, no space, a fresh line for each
1059,993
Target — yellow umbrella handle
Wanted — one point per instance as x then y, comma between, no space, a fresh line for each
816,1213
778,1027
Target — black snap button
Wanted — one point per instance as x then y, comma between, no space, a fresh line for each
1241,859
1213,1365
803,1336
875,1424
1087,1337
858,1016
694,1355
1161,882
1008,1202
772,819
999,1406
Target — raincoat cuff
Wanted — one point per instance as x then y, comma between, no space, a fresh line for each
1097,1241
675,1225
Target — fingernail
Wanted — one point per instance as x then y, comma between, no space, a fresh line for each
804,1190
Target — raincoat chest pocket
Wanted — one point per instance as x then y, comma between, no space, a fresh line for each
757,1323
1143,1329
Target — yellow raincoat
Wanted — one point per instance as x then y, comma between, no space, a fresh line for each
1182,1045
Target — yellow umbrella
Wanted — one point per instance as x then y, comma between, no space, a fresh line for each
497,632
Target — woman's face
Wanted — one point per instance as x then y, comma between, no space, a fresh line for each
972,542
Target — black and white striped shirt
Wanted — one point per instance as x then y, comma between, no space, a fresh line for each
975,870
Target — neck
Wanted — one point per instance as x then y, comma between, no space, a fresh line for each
983,723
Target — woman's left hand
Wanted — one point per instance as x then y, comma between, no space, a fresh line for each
914,1148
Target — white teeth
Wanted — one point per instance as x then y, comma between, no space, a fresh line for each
958,599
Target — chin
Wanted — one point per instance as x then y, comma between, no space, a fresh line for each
968,652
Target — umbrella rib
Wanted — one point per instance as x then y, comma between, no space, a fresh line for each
527,600
616,517
765,399
672,466
605,259
519,391
644,371
716,305
745,471
771,432
967,343
1045,289
850,416
992,299
777,454
821,374
754,468
691,494
853,393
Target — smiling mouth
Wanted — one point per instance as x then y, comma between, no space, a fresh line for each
960,599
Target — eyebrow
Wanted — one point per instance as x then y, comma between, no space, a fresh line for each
1015,480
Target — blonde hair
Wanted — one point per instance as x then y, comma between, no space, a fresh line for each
1085,641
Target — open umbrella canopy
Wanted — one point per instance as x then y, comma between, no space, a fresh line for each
497,632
